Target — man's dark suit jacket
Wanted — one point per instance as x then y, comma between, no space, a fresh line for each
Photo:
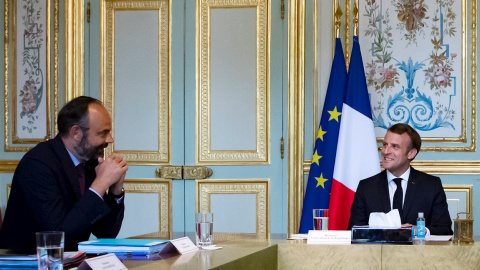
424,194
46,196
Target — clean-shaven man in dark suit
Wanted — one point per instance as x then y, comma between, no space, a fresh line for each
46,193
421,192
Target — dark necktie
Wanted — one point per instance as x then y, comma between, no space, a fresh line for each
81,177
398,196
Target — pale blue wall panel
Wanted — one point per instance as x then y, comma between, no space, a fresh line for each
233,78
136,80
234,213
141,214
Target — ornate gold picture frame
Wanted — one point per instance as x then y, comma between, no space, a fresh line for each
28,31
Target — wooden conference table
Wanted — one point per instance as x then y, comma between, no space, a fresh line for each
251,253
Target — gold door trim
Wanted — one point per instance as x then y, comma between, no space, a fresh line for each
296,112
164,190
259,187
8,166
74,46
204,153
109,7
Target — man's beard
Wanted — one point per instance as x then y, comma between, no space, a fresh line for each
87,152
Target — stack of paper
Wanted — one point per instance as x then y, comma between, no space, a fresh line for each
30,261
122,246
18,261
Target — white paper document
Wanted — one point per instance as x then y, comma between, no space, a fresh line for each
300,236
329,237
438,237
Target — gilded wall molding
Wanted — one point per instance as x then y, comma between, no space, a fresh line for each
109,7
8,166
164,190
56,70
12,143
74,47
259,187
204,153
296,112
461,167
468,190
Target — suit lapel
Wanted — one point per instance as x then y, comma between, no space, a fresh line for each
384,193
68,166
410,194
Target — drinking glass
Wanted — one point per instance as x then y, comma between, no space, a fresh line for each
320,219
204,229
50,246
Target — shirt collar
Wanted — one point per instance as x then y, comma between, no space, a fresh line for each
74,159
404,176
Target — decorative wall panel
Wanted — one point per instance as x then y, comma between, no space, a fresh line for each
146,140
210,87
259,187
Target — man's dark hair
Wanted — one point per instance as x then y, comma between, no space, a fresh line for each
75,112
415,140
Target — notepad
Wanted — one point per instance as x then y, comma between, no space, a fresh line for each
120,246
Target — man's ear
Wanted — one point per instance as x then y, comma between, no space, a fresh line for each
76,133
412,153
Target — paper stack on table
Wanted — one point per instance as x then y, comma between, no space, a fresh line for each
122,246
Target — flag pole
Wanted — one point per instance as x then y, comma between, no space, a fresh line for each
338,23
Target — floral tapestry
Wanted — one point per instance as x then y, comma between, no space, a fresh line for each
412,56
31,115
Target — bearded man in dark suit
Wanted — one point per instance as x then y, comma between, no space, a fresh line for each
49,192
421,192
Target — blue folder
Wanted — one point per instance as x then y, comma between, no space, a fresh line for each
122,246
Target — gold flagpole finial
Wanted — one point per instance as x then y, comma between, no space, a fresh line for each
338,23
355,18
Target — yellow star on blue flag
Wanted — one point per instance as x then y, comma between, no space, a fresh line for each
334,114
321,181
320,133
316,158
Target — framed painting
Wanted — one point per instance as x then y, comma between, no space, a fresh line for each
415,55
28,53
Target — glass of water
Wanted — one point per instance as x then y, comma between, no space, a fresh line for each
204,229
50,250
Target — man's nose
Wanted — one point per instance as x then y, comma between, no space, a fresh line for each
385,149
109,139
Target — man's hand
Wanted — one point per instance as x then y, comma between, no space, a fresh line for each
414,227
117,188
110,174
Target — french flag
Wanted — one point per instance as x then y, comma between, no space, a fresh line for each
357,154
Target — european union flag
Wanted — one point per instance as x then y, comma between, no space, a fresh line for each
317,194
